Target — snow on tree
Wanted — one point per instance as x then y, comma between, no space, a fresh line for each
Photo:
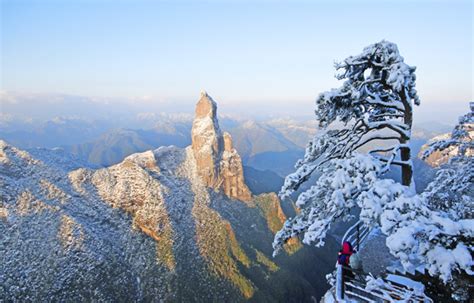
417,234
452,193
374,104
452,188
434,229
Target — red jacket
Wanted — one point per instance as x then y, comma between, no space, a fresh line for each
347,248
345,254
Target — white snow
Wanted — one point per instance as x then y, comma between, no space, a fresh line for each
432,229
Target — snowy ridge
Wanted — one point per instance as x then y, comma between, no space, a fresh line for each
43,213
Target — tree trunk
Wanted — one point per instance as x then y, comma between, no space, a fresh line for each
407,169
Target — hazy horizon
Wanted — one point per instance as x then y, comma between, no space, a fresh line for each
263,58
44,107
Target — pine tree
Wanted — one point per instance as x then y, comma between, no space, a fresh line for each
434,229
372,110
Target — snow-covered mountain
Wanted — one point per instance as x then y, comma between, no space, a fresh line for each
170,224
439,158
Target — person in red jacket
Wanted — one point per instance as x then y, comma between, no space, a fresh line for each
343,258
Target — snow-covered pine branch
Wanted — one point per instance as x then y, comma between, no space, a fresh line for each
436,228
373,105
446,246
418,234
335,193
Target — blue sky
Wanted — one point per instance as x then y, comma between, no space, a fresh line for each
274,55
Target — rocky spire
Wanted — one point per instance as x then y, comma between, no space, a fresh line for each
207,140
218,163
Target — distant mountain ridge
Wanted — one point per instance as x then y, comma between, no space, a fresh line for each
270,144
250,138
115,145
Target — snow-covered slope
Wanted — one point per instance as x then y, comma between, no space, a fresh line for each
150,228
58,244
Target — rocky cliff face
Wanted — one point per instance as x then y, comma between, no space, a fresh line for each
207,140
218,163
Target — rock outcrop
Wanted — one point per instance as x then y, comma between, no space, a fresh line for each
207,140
439,158
269,205
218,163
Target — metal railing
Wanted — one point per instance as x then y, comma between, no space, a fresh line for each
356,234
354,285
351,283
